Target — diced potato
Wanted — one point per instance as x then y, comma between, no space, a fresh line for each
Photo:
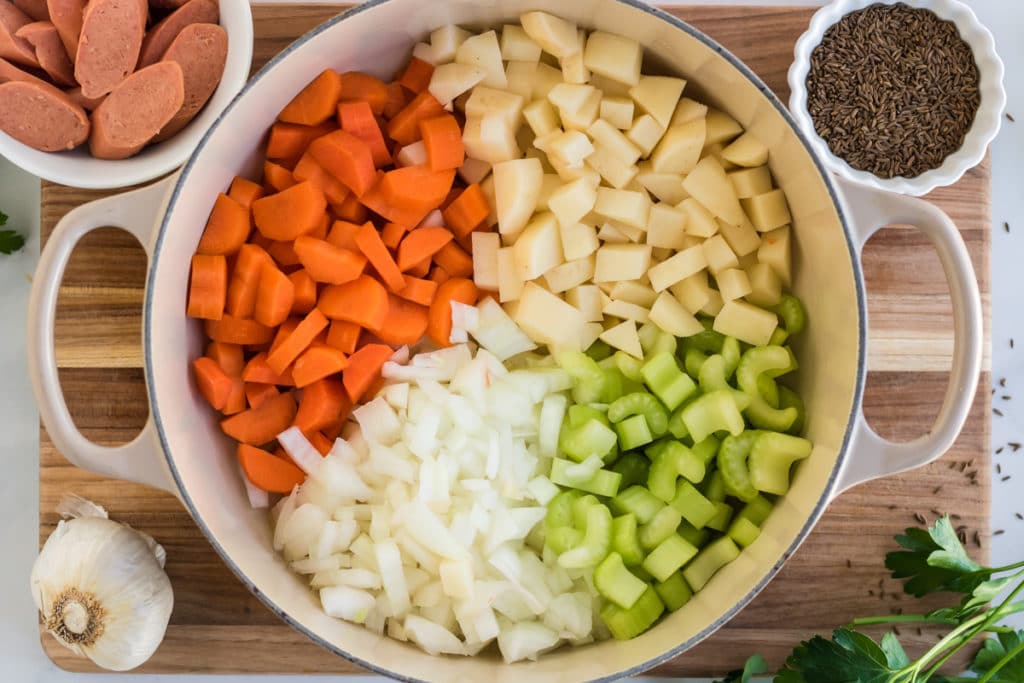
645,133
570,274
634,292
679,149
424,52
591,332
626,311
625,338
609,87
510,285
587,299
446,40
487,187
451,80
618,111
666,226
614,56
748,182
635,235
765,286
610,167
658,96
482,51
569,173
548,319
631,208
692,241
545,78
742,239
721,127
573,68
733,283
747,323
688,110
709,185
604,133
715,151
746,150
679,267
616,262
579,240
718,254
472,170
572,201
693,292
517,186
611,234
672,317
570,146
775,251
485,259
541,116
747,260
516,46
699,221
659,254
412,155
539,248
768,211
549,183
519,77
666,187
490,138
714,304
577,104
555,35
486,100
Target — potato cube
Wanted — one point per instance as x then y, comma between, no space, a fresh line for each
446,40
451,80
485,259
614,56
746,150
747,323
587,299
666,226
611,234
572,201
517,185
610,167
618,111
721,127
775,251
658,96
659,254
516,46
692,292
626,311
742,239
545,78
486,100
510,285
425,53
548,319
487,187
633,292
570,147
625,206
748,182
541,116
708,184
570,173
714,304
645,133
765,286
617,262
548,184
699,221
604,133
625,338
555,35
747,260
688,110
667,187
519,77
573,68
579,240
539,248
635,235
768,211
570,274
692,241
482,51
413,155
672,317
577,104
677,268
733,283
490,138
610,87
679,149
718,254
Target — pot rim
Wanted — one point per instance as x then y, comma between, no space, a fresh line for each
812,519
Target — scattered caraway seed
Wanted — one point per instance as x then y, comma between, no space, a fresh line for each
1014,446
871,592
1006,478
1011,342
998,532
997,412
977,539
993,393
920,518
1005,397
892,507
999,468
952,465
1018,515
935,512
1002,382
955,517
849,565
1006,226
896,630
999,450
935,491
1010,118
919,631
963,466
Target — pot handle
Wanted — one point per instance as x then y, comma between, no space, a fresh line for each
136,212
875,457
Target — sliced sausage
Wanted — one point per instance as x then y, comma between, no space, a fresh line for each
12,47
50,51
66,15
200,50
34,8
109,44
136,110
86,103
165,31
41,116
10,72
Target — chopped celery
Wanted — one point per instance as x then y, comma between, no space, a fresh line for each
708,341
756,361
628,366
791,311
692,505
667,381
596,541
711,413
599,350
641,403
756,511
731,355
631,387
770,459
616,583
633,432
768,389
713,487
709,560
661,526
655,448
638,501
612,387
607,363
633,467
676,427
602,482
579,415
673,591
743,531
587,376
779,337
559,512
641,573
707,449
712,374
669,556
563,538
790,399
626,540
693,535
654,340
693,360
591,438
626,624
732,463
579,510
673,460
723,514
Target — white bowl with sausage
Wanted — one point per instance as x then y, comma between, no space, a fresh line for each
79,168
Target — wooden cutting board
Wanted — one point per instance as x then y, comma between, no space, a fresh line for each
219,627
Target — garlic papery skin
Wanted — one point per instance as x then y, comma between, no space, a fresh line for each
101,589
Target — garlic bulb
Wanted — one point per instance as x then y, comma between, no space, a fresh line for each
101,587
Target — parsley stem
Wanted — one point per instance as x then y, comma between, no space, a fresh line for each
1002,662
902,618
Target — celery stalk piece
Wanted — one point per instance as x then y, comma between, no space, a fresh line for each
628,366
743,531
627,624
634,469
692,505
641,403
633,432
559,513
602,482
669,556
769,389
712,374
676,427
613,382
626,540
779,337
580,506
770,460
563,538
599,350
666,380
791,311
616,583
731,355
579,415
596,540
707,341
588,377
638,501
732,463
713,487
709,560
673,460
790,399
723,515
693,361
712,413
693,535
756,511
673,591
753,365
591,438
661,526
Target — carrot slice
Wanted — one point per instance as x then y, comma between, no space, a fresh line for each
443,139
416,187
285,329
351,210
274,297
257,392
421,269
245,191
262,424
228,356
439,275
405,323
343,235
420,244
232,330
295,343
396,101
283,254
291,212
454,260
315,103
369,242
467,212
357,118
309,169
455,289
290,140
359,86
226,229
327,263
363,301
376,201
322,228
364,367
418,291
324,403
343,335
214,384
317,362
305,290
392,235
416,76
404,127
257,370
321,443
208,287
268,472
347,158
276,177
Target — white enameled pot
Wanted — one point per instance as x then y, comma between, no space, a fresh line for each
182,450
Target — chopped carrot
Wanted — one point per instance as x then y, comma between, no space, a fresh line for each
296,342
351,210
321,443
405,324
321,230
283,330
290,213
421,269
363,301
305,290
418,290
392,235
245,191
343,335
420,244
226,229
455,289
347,158
232,330
396,99
369,242
276,177
376,201
324,403
333,430
404,127
416,187
327,263
359,86
257,392
267,472
343,235
439,275
228,356
467,212
257,370
274,297
284,254
236,398
290,140
315,103
442,137
208,287
214,384
357,118
260,425
309,169
416,76
317,362
455,260
364,367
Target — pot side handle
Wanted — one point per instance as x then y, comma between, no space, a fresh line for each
874,456
136,212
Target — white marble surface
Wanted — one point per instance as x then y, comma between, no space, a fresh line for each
21,657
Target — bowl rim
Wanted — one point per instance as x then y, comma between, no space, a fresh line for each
987,120
813,517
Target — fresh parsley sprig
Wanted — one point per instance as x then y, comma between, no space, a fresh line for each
10,240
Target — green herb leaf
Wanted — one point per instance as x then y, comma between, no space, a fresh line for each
993,651
894,653
755,665
3,219
935,561
850,657
10,241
